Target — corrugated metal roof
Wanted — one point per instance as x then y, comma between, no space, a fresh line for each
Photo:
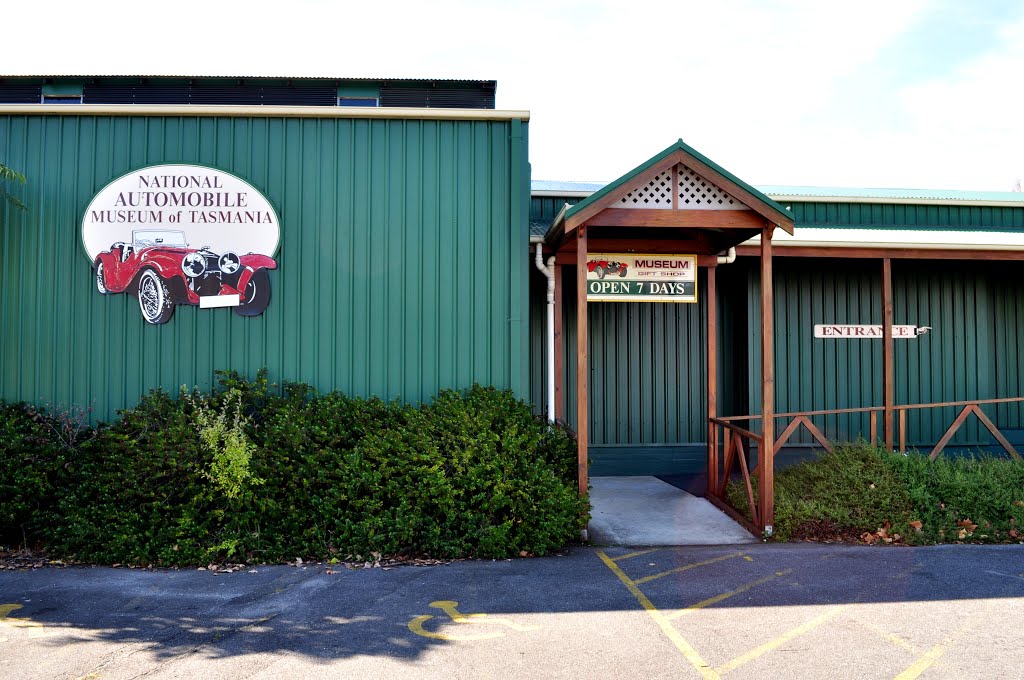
249,77
893,194
565,188
851,194
538,228
761,203
929,239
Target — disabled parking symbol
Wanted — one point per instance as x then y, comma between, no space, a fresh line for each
449,608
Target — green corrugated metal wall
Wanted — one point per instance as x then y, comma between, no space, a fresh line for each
972,352
401,268
647,375
901,216
545,208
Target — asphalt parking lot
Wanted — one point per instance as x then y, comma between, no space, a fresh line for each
752,611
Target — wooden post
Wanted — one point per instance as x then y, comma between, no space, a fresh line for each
712,429
766,450
582,363
889,399
559,365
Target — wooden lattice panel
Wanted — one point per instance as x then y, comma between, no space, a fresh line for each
655,194
697,193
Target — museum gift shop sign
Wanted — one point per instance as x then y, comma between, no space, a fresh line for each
632,277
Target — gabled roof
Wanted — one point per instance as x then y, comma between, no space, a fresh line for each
679,152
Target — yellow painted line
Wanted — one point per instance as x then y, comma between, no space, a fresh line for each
648,579
922,664
35,629
629,556
449,607
701,666
895,639
933,654
416,626
781,640
725,596
6,609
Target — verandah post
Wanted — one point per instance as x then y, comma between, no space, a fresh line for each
712,358
766,450
582,364
889,399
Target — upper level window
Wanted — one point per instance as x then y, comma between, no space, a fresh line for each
62,99
357,101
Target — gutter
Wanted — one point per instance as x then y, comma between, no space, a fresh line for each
260,111
549,272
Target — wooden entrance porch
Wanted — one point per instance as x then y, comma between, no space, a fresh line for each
678,202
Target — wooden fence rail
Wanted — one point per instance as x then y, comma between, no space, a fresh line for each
734,450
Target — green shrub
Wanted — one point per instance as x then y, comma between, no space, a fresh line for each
254,473
971,498
36,449
859,488
852,490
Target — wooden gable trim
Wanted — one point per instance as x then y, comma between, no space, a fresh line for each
584,215
874,252
707,219
766,212
750,200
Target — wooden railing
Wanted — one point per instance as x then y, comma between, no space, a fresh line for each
735,451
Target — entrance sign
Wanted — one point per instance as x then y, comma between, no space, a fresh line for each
632,277
866,331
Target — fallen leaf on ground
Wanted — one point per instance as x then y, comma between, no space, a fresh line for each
967,525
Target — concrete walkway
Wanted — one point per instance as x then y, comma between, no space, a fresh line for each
648,511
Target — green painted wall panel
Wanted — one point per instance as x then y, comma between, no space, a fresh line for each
401,267
972,351
924,216
648,380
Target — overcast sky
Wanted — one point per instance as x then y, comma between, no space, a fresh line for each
893,93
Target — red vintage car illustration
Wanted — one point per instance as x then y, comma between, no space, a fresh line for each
603,267
161,270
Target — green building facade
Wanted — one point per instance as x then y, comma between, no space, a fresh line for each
405,266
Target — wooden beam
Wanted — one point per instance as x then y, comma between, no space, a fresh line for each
569,258
583,217
559,353
1003,441
707,219
888,396
951,431
582,363
712,340
636,245
707,172
875,253
767,211
765,451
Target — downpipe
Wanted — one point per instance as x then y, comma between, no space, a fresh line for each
548,271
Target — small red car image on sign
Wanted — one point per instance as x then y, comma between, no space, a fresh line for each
603,268
182,235
162,271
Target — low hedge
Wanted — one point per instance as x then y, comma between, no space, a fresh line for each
252,473
862,492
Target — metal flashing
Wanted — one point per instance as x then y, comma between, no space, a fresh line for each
262,111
